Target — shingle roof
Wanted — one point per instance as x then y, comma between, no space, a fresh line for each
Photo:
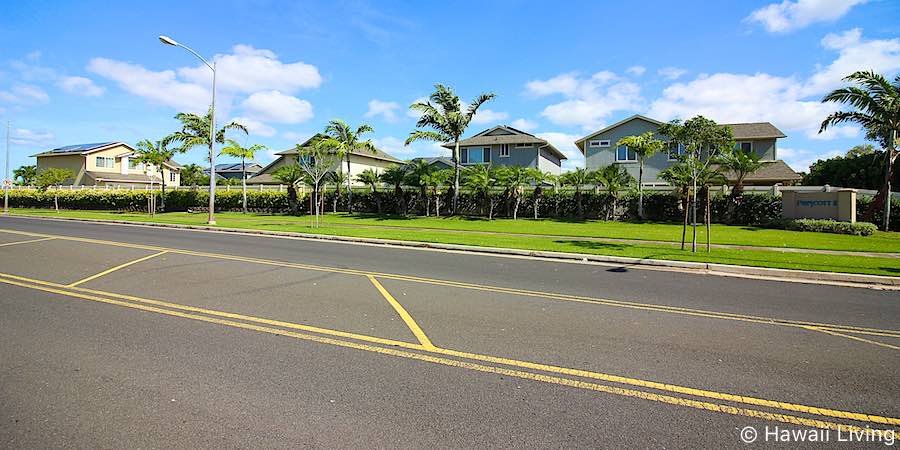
755,130
127,178
774,171
519,137
434,159
379,154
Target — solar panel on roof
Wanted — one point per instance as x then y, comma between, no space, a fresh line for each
79,147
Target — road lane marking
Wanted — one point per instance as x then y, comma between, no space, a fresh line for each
58,288
119,267
855,338
667,399
514,291
29,241
401,311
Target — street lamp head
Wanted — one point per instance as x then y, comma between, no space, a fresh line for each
167,40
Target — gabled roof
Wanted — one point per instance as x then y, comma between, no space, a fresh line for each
81,149
235,167
754,130
379,154
514,136
623,121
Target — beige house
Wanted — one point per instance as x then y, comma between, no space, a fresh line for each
107,164
359,161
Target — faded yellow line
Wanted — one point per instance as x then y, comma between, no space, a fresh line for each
401,311
492,359
514,291
28,241
855,338
119,267
667,399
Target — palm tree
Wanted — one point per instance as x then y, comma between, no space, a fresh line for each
740,164
644,146
156,155
191,175
338,178
291,175
344,141
578,178
195,132
538,178
482,179
26,173
234,149
370,178
435,181
514,179
614,178
417,174
876,106
396,176
444,114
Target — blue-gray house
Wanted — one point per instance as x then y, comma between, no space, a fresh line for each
503,145
599,149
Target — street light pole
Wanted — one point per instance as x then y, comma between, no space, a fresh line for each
212,128
6,174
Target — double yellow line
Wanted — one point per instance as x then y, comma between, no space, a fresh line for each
710,400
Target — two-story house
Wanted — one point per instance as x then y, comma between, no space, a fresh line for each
506,146
600,149
106,164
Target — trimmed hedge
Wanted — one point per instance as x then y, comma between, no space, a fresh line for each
127,200
831,226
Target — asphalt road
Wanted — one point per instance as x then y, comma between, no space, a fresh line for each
126,336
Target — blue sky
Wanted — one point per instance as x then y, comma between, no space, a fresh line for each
78,72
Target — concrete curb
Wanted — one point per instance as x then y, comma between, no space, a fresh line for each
803,276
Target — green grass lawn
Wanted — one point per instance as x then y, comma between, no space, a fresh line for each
566,237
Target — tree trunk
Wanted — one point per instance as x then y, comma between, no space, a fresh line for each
516,207
163,205
437,204
537,200
686,205
490,205
455,199
888,169
349,189
243,184
377,199
427,202
641,190
56,201
292,199
578,206
694,218
708,218
337,193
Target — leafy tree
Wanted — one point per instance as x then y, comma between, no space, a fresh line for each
644,146
875,104
514,179
370,178
192,175
53,176
740,164
156,155
195,132
856,170
444,114
482,179
26,173
435,181
614,178
538,178
338,178
396,176
860,150
417,175
578,178
344,140
702,139
236,150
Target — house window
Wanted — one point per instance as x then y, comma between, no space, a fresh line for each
135,165
676,151
172,176
746,147
464,156
599,143
105,162
623,154
504,150
487,155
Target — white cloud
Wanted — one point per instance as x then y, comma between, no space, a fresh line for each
298,138
485,116
249,69
800,159
413,113
840,131
159,87
566,144
854,53
791,15
80,86
636,70
396,147
273,106
589,101
671,73
22,136
25,94
255,127
524,124
382,108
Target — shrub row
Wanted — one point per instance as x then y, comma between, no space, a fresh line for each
830,226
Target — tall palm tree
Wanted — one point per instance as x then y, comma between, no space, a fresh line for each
396,176
417,173
614,178
370,178
876,106
578,178
537,177
443,113
344,141
740,164
234,149
514,179
644,146
482,179
157,155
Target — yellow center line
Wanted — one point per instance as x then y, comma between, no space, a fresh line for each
666,399
410,322
119,267
58,288
855,338
28,241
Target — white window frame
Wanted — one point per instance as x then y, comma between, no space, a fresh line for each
172,176
741,145
626,155
504,150
680,150
486,155
112,162
524,145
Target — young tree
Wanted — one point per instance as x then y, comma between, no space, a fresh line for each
444,114
875,104
702,139
482,179
644,146
338,178
709,176
396,176
679,176
514,179
417,175
435,181
317,161
26,173
156,155
538,178
236,150
370,178
614,178
53,176
740,164
578,178
344,141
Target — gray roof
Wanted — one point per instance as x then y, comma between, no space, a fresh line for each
235,167
79,149
379,154
754,130
518,137
771,171
603,130
434,159
127,178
